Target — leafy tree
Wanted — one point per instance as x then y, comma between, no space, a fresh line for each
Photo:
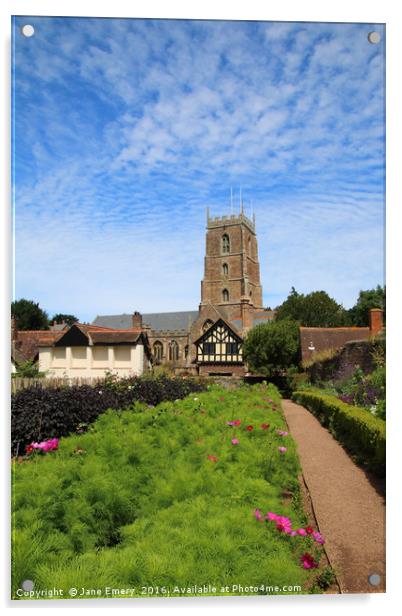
291,308
28,315
316,309
272,347
371,298
70,319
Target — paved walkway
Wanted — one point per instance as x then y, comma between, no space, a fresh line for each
350,512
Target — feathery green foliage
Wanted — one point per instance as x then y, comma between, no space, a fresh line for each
135,502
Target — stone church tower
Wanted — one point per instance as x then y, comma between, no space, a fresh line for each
231,266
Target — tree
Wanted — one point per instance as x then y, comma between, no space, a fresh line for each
70,319
272,347
317,309
28,315
371,298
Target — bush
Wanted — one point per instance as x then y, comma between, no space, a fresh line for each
39,414
272,348
356,429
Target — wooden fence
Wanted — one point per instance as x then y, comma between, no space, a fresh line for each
18,383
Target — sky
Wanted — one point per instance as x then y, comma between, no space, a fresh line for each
125,131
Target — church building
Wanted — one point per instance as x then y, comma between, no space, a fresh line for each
209,341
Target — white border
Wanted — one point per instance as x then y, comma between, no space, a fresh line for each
286,10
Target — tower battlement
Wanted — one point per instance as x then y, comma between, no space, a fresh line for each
214,222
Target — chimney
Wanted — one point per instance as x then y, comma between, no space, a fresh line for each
376,320
14,330
137,320
246,314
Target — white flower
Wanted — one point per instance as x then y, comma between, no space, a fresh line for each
100,391
195,399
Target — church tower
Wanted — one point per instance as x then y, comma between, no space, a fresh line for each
231,266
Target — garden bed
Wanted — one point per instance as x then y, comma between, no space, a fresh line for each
192,497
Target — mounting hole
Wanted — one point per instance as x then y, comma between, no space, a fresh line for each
28,30
374,579
374,38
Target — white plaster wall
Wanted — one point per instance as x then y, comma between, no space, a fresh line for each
91,362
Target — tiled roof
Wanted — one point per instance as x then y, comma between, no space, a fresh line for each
114,337
26,345
158,321
325,338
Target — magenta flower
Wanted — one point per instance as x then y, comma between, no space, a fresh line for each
301,531
282,433
235,441
282,449
308,561
236,422
45,446
318,537
271,516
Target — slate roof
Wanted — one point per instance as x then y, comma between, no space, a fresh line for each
325,338
158,321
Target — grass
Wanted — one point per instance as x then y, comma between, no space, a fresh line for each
135,503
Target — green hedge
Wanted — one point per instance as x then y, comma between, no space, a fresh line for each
355,428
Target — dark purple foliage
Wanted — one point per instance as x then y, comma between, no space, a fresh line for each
43,413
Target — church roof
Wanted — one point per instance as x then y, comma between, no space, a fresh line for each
158,321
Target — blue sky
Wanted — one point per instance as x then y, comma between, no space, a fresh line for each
126,130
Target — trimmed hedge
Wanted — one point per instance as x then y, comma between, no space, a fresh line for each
41,413
362,434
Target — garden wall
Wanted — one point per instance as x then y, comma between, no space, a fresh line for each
342,365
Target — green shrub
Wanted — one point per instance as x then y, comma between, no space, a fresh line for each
360,432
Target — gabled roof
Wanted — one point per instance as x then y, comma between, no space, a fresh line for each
157,321
85,334
214,326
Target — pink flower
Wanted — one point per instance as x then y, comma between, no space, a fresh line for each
257,514
282,449
318,537
293,533
230,423
235,441
301,531
271,516
282,433
308,561
237,422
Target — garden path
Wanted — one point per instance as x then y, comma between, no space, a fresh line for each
349,510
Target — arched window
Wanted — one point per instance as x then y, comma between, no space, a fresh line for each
186,351
225,269
208,323
158,351
225,243
173,351
225,295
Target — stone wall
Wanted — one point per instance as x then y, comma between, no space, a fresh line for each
342,365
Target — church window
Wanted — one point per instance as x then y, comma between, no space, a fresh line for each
225,295
158,350
186,351
173,351
225,243
225,269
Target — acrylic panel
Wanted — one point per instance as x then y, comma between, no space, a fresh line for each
198,310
